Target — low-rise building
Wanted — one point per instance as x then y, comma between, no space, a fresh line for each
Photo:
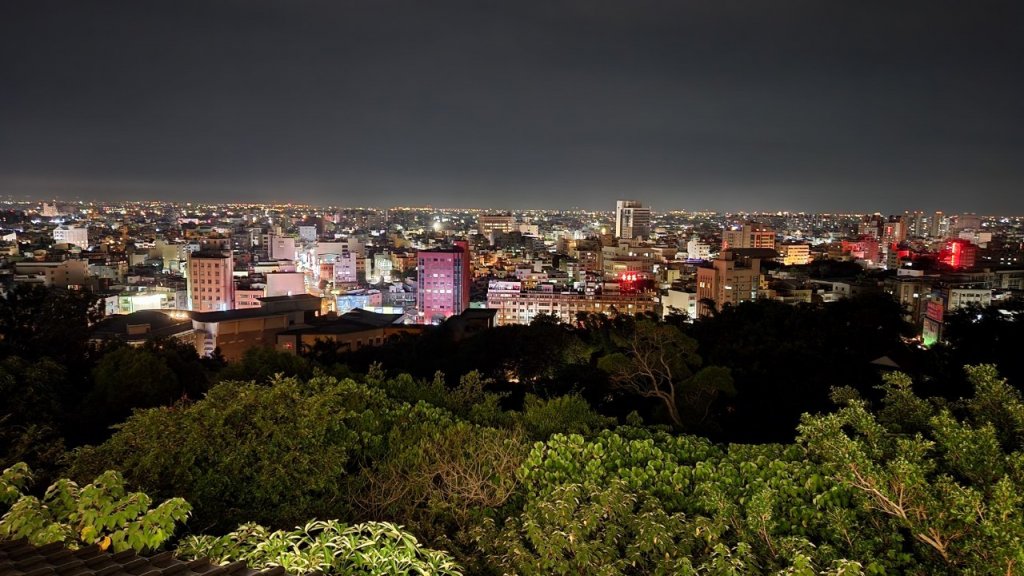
70,274
354,330
517,306
232,332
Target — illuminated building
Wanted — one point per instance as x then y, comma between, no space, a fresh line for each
235,331
340,263
949,299
632,220
697,250
285,283
488,223
751,235
940,225
382,267
959,254
733,277
911,289
307,233
679,302
517,306
281,247
75,235
866,248
248,297
443,279
589,254
794,254
211,286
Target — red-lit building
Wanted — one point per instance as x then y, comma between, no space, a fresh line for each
444,276
866,248
959,254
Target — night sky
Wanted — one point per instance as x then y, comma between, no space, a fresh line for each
817,105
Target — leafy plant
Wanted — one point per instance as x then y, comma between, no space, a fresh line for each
102,513
330,547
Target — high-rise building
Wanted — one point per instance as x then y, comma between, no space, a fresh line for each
871,226
940,225
750,235
894,230
211,287
443,279
632,220
917,223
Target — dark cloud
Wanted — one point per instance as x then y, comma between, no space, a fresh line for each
870,105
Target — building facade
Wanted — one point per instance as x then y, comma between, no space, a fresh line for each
443,280
750,235
733,277
211,286
632,220
75,235
488,223
515,305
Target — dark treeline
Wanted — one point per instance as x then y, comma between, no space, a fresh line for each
780,362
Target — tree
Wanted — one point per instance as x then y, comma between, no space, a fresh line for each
263,364
657,361
561,415
952,489
53,322
34,395
788,357
276,453
443,483
128,378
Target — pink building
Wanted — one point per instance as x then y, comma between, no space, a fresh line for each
443,279
211,287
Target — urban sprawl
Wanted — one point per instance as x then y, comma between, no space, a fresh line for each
231,277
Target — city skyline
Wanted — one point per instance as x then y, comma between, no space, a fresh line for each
726,106
490,210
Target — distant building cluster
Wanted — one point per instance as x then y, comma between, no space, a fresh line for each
229,277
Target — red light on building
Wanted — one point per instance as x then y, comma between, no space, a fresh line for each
632,282
959,254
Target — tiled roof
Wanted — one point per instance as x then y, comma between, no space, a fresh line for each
19,558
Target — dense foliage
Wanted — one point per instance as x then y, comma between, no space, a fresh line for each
916,486
597,448
102,513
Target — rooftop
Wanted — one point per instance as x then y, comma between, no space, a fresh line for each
119,326
19,558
